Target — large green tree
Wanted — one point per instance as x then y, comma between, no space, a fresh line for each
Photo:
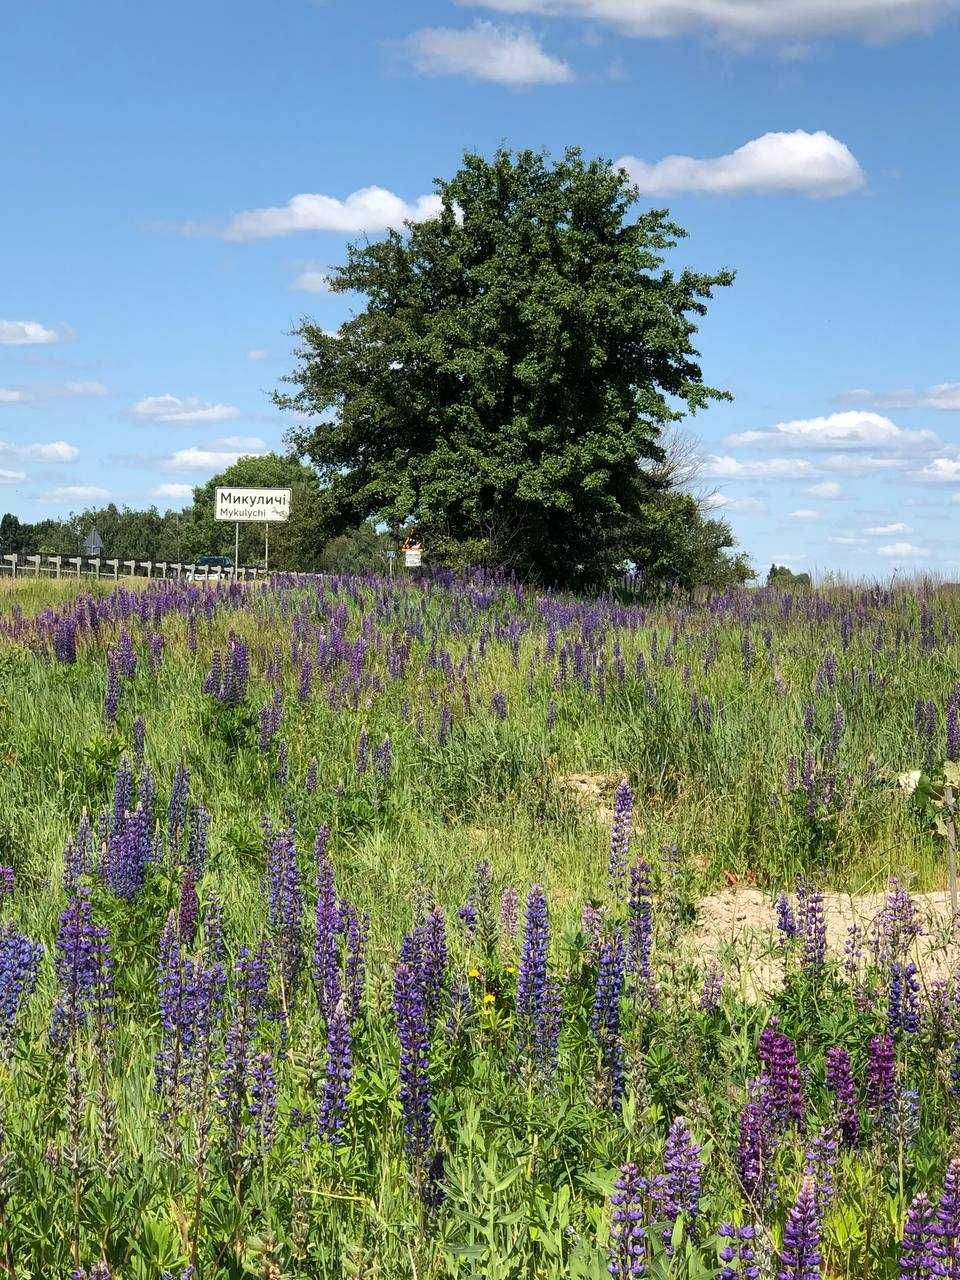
502,393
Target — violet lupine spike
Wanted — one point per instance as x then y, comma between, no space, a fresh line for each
712,990
362,758
755,1150
198,841
233,1087
801,1257
948,1223
881,1071
84,971
415,1092
433,961
785,1091
919,1247
738,1255
532,974
677,1191
357,932
786,922
627,1247
326,948
285,910
820,1164
605,1019
813,927
903,1007
19,968
640,906
620,832
337,1077
263,1099
953,728
841,1084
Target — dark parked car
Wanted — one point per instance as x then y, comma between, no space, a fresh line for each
215,562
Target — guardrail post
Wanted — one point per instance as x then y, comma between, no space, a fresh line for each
35,561
191,571
177,569
133,568
57,562
77,561
12,562
148,565
94,563
161,567
115,565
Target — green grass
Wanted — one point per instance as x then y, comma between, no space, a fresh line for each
523,1161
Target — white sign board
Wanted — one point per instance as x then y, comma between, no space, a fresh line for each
253,504
413,557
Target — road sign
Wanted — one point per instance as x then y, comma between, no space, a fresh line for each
413,556
259,505
93,543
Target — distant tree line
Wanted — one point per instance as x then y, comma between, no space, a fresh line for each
305,542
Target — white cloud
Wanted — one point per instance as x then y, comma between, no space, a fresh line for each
10,396
943,396
243,442
258,353
24,333
312,281
852,429
195,459
939,471
484,52
812,164
86,388
173,490
742,22
881,529
729,468
371,209
902,550
826,489
167,408
11,477
56,451
853,464
805,513
80,492
716,501
848,540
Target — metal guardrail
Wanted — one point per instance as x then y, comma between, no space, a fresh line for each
57,567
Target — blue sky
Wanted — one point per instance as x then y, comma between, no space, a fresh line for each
154,253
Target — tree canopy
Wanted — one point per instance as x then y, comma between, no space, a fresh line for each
502,393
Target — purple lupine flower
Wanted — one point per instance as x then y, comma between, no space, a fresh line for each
820,1164
712,990
337,1076
188,910
467,918
433,962
127,854
605,1019
902,1121
197,844
6,882
813,927
918,1250
414,1076
841,1084
498,704
383,760
155,652
65,641
786,923
236,671
305,681
592,922
738,1254
532,973
948,1223
213,939
627,1248
362,759
313,772
177,1000
620,832
880,1075
233,1087
263,1099
896,927
801,1257
285,911
509,916
126,654
640,906
177,813
755,1152
953,728
84,971
853,951
785,1092
903,1007
677,1190
326,946
111,696
19,966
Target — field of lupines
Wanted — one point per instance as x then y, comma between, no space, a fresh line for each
315,961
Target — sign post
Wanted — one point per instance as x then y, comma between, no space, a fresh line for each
266,506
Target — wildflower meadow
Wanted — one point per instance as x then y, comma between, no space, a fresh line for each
356,927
